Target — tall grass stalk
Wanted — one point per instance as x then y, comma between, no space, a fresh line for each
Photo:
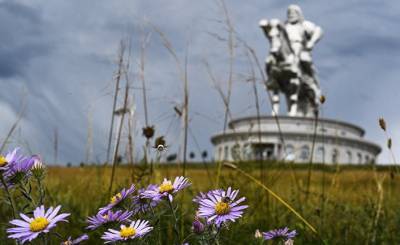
311,156
182,69
379,184
55,145
114,107
382,124
122,117
143,46
15,124
253,80
231,51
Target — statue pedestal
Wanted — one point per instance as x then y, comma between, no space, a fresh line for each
335,141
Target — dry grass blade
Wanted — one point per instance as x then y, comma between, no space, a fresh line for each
255,91
379,184
231,50
389,143
273,194
167,44
15,124
184,78
310,164
122,113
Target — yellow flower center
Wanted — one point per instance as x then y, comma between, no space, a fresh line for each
127,232
3,161
166,187
115,198
222,208
38,224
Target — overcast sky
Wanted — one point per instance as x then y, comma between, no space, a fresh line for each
60,57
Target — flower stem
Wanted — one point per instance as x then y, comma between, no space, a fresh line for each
188,236
41,191
215,238
9,197
175,221
26,193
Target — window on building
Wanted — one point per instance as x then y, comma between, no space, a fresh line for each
367,159
320,156
219,153
349,157
359,158
235,152
289,152
226,152
305,153
335,156
246,151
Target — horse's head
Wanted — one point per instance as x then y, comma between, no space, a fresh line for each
272,30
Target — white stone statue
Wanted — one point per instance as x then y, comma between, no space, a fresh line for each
289,64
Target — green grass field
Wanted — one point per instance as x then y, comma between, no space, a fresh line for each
346,205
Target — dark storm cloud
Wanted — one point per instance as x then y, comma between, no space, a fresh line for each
21,39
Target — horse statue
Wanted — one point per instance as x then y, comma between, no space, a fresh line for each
288,74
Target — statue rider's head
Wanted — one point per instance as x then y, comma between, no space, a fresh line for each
294,14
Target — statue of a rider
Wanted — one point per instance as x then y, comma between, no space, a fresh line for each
302,35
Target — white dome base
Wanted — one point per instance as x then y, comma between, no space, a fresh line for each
253,138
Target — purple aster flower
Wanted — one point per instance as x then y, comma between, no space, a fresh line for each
108,217
220,207
3,163
117,199
141,204
76,241
283,233
19,169
29,228
136,229
11,157
167,189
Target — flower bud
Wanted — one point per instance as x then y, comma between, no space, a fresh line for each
197,226
38,168
389,143
322,99
258,234
289,242
38,164
382,123
148,132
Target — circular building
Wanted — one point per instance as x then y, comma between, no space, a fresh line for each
289,138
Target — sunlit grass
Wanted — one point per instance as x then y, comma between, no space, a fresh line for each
341,204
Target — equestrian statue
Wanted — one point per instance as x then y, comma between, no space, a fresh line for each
289,65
